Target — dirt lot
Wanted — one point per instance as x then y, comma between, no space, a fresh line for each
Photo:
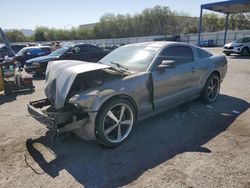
208,146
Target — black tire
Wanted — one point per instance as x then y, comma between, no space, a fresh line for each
227,54
207,95
104,122
245,51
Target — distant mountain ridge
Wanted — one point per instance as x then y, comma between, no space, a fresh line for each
26,32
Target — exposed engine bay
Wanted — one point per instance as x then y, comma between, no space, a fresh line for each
91,80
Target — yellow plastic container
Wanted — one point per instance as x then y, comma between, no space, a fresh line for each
1,80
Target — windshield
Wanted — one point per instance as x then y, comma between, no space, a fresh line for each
134,58
21,52
60,51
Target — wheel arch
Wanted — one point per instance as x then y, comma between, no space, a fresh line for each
246,47
212,72
120,96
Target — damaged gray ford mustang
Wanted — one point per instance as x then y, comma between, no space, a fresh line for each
103,101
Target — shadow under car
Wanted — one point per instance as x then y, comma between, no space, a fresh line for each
152,143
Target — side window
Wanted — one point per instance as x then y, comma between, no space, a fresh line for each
93,49
77,49
203,53
35,51
88,49
179,54
15,48
46,50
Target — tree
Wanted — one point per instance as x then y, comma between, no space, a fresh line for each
40,33
212,22
15,36
239,21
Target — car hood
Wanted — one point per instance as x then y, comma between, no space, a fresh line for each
60,76
45,58
232,44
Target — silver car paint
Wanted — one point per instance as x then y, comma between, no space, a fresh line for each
170,87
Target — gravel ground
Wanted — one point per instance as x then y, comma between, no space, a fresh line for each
207,146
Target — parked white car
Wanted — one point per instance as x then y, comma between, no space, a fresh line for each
240,46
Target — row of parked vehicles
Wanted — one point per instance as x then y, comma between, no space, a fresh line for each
35,58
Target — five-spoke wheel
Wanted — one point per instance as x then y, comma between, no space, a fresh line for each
211,89
115,122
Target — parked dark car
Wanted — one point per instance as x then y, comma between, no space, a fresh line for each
16,48
84,52
31,52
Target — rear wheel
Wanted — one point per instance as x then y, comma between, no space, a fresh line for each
228,54
115,122
211,89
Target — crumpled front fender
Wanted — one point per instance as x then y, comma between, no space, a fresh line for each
134,86
92,101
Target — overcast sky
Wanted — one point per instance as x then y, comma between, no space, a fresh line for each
67,13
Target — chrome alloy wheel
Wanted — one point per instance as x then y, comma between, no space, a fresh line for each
118,122
213,89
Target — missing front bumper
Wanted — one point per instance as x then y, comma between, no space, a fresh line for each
64,120
35,110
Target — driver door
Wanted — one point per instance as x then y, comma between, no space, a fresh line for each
174,84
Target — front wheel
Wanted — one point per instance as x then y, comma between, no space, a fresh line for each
115,122
245,51
211,89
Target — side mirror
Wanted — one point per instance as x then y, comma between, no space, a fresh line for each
166,64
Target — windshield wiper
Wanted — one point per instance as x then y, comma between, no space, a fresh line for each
121,67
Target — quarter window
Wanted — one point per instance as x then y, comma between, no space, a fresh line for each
203,53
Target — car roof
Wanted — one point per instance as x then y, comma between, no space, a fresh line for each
82,44
158,44
247,36
34,47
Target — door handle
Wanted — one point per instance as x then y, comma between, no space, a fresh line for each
193,69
